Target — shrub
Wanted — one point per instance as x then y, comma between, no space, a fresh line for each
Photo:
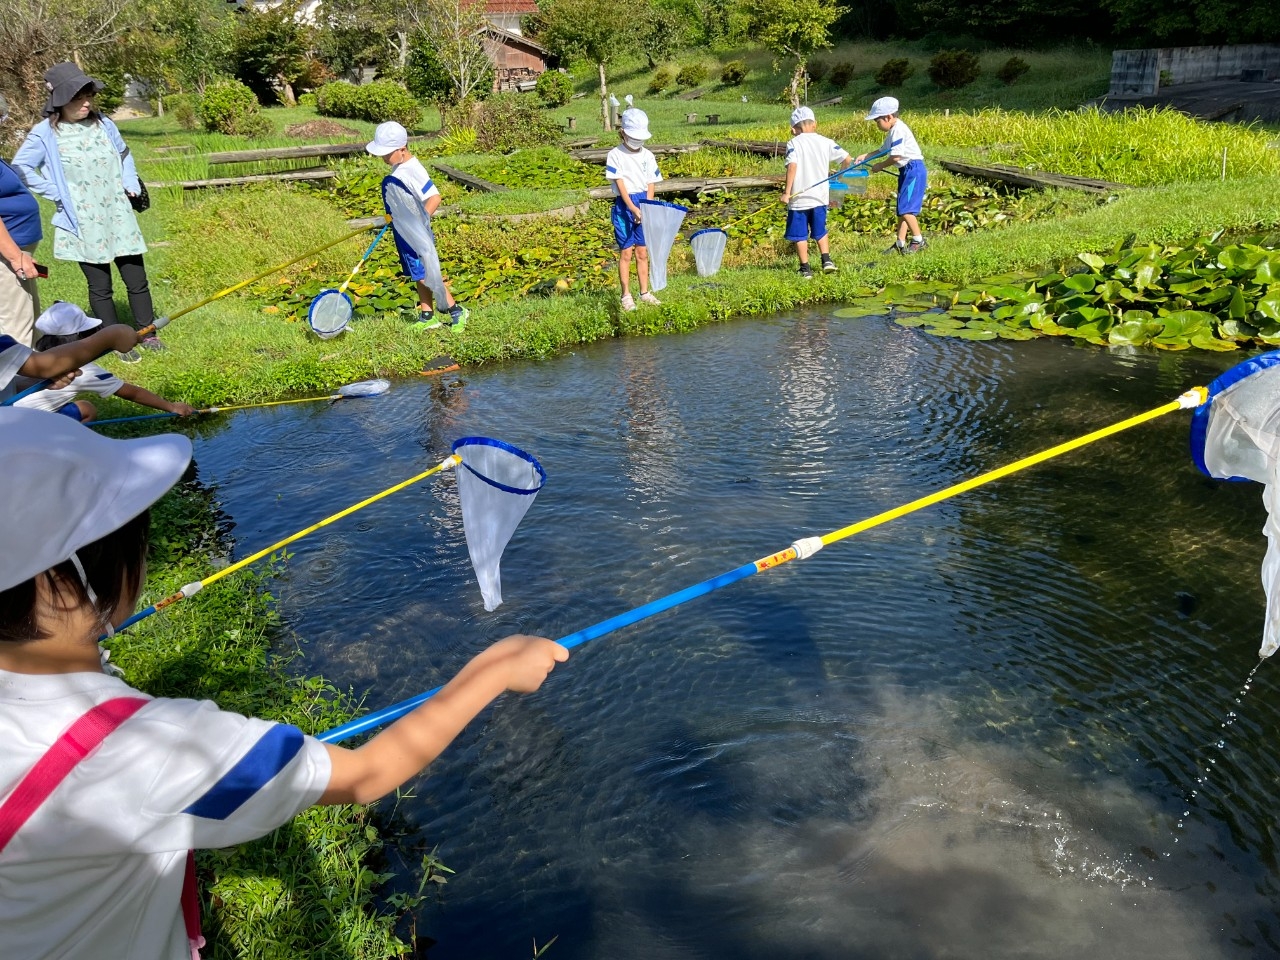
895,72
228,106
733,73
952,69
376,102
841,74
182,107
507,122
306,99
662,78
314,75
1011,70
817,69
457,140
691,74
554,88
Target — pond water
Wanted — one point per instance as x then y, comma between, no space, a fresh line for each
971,732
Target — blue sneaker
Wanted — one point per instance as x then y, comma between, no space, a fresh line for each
459,321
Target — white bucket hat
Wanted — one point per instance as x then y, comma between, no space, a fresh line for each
883,107
65,487
388,138
635,124
800,114
64,319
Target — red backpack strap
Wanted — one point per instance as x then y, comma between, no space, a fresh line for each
60,759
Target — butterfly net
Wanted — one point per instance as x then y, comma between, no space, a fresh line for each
412,229
496,486
661,227
708,250
329,314
1236,436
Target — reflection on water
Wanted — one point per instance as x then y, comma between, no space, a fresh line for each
972,732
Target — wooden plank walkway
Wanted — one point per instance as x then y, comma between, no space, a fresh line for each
467,180
699,185
295,153
1036,179
241,181
598,154
765,148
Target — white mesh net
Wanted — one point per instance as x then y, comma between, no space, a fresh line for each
329,314
661,227
412,227
708,250
1241,440
496,486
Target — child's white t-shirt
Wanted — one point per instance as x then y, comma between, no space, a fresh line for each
901,143
637,168
12,356
414,176
97,870
813,154
92,379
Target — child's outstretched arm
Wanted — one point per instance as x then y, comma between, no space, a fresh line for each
135,393
54,362
404,749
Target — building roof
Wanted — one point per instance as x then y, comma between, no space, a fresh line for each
496,7
511,38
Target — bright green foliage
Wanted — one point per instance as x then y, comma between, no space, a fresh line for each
544,167
663,77
228,106
953,69
268,48
692,74
895,72
1203,295
733,73
425,75
507,121
375,102
554,88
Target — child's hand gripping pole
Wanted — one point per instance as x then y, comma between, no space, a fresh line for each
813,186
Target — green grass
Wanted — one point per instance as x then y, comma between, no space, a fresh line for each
308,889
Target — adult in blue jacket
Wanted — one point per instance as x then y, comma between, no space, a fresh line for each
77,159
19,234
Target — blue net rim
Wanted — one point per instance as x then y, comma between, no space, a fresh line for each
707,230
1200,415
665,203
490,442
312,309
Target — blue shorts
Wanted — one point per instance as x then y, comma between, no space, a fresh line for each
70,410
912,183
803,224
410,262
626,232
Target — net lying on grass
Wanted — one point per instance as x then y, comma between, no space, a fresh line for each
496,486
331,310
661,227
412,229
708,250
1236,436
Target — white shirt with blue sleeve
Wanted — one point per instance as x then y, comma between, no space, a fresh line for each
12,356
92,379
636,168
812,155
900,142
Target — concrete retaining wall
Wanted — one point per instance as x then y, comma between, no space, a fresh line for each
1137,73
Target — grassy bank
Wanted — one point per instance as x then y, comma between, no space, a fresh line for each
233,351
306,890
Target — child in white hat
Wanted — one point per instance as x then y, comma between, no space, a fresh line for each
633,170
96,840
904,153
808,188
65,323
21,367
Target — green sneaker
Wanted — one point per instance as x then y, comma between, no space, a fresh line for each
426,321
459,322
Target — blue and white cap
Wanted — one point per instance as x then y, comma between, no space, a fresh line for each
884,107
800,114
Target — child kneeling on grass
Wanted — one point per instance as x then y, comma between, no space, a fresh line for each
633,170
21,367
65,323
391,143
904,153
104,790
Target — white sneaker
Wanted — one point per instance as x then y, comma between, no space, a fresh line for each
648,297
628,304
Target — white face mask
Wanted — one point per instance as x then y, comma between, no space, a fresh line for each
632,143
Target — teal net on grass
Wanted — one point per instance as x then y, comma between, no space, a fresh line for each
662,222
496,486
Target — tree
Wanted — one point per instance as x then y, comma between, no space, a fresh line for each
350,34
793,28
596,30
270,50
178,45
663,32
453,30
